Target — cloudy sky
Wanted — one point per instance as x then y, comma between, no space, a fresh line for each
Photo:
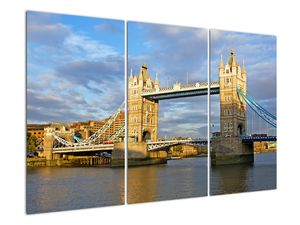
259,54
176,54
75,67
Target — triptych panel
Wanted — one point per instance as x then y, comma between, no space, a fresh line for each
183,111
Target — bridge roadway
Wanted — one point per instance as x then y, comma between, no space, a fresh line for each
181,90
250,139
158,145
151,146
155,146
84,148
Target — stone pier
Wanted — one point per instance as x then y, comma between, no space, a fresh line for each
230,150
138,155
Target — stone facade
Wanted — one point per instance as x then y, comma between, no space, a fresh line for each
230,150
142,113
232,106
227,146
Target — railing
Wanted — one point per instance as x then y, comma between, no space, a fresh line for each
258,138
96,135
81,148
181,87
162,144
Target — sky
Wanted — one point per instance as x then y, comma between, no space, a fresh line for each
259,54
175,53
75,67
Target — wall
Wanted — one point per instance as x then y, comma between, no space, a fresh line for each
268,207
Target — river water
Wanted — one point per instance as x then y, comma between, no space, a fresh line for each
182,178
54,189
242,178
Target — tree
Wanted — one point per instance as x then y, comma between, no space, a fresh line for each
31,142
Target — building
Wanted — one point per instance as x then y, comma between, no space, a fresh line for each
142,113
83,129
37,131
232,107
88,128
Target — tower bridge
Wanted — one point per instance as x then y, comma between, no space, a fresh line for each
232,145
181,90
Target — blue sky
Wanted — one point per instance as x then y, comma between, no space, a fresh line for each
175,53
75,67
259,55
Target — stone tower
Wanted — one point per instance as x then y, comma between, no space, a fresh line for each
232,106
142,113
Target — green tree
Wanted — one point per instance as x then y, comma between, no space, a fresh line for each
31,142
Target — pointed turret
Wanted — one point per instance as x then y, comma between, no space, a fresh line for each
156,83
221,66
141,74
243,68
232,60
144,72
131,76
221,62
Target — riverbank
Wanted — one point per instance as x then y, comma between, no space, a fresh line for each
92,162
74,162
265,151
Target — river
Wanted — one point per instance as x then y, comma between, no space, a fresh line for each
182,178
54,189
243,178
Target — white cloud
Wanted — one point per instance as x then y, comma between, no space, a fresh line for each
84,47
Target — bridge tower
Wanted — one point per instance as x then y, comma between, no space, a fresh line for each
142,113
48,143
232,106
227,148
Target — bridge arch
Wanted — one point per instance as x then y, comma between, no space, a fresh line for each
241,129
146,136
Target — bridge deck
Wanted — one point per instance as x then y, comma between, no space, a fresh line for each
250,139
153,146
88,148
182,90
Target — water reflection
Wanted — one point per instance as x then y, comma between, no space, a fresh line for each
177,179
241,178
229,178
54,189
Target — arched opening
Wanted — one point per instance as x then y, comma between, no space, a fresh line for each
146,136
241,129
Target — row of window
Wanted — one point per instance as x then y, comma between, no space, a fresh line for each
146,120
147,108
228,127
227,112
134,92
228,98
133,131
